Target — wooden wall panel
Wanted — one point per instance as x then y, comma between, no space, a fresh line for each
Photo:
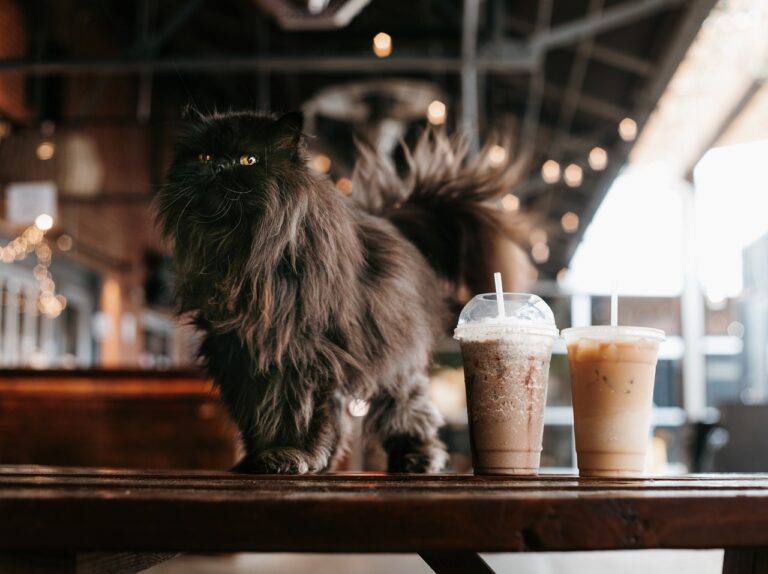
13,44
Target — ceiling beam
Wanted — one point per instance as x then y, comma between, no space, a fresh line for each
470,117
521,62
610,56
733,113
515,57
575,85
684,35
595,24
593,105
144,45
531,122
622,60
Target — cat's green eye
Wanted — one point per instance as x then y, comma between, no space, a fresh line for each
204,157
248,159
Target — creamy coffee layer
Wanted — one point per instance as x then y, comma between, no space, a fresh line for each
612,386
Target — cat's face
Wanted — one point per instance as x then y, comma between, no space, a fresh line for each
228,167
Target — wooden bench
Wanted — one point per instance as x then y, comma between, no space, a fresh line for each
100,520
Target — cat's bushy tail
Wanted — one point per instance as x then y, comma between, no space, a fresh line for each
447,205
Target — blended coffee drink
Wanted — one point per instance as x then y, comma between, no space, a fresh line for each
612,375
506,368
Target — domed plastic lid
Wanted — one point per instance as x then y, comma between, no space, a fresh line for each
523,313
611,333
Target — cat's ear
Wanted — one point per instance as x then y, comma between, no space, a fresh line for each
287,131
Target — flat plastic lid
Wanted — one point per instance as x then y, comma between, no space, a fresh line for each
523,313
608,333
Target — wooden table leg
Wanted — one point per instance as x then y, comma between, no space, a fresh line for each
456,562
745,561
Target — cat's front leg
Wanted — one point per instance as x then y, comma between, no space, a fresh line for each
300,449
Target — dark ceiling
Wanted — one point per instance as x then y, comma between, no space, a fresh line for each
560,73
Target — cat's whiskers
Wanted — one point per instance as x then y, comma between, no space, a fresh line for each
178,221
180,194
230,190
231,231
222,212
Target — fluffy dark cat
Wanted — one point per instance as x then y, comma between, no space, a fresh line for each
307,299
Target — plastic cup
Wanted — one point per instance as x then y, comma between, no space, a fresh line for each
612,375
506,368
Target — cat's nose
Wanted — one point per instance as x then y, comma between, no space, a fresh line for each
220,165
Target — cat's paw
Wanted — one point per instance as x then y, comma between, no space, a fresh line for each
414,455
278,461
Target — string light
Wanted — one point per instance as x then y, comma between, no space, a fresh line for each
64,242
44,222
510,202
45,150
570,222
573,175
382,44
436,112
497,155
33,239
628,129
550,171
598,159
321,163
540,252
344,185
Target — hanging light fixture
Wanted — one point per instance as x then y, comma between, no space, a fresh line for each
436,113
628,129
497,155
570,222
540,252
598,159
382,44
573,175
550,171
510,202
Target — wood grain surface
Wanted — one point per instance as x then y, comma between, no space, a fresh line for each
58,509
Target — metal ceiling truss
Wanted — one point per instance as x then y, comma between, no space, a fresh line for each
523,56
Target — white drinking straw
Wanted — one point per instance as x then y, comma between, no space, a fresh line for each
614,305
499,294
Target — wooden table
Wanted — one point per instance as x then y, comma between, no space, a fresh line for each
81,519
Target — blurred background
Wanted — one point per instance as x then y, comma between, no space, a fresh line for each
643,125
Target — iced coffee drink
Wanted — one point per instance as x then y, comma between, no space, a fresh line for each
612,376
506,367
